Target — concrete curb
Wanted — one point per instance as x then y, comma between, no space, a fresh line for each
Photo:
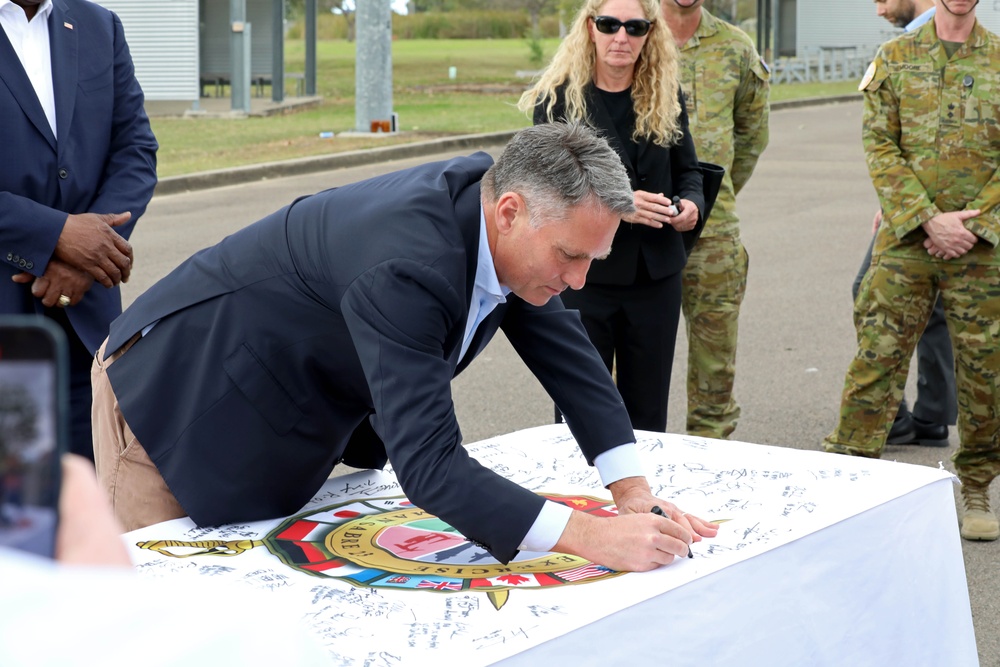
257,172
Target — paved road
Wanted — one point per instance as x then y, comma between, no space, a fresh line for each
807,214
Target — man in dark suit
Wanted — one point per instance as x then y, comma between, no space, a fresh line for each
330,332
78,169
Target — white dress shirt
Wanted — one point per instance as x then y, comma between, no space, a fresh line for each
30,40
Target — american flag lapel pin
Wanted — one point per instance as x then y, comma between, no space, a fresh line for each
67,24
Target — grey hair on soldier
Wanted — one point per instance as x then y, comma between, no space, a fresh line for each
558,166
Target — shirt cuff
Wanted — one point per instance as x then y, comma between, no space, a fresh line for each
613,465
619,463
547,529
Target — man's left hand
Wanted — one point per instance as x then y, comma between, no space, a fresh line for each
59,279
633,496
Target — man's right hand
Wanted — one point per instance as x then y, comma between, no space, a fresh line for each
88,242
627,543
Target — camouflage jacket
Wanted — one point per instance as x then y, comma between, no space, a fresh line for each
931,134
725,87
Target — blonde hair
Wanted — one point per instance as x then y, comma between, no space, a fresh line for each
655,80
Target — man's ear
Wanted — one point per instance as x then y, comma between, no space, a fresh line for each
508,206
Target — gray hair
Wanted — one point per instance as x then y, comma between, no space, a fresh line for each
558,166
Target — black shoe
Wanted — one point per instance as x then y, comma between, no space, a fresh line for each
903,431
930,434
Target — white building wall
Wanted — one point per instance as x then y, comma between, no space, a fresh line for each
822,23
163,38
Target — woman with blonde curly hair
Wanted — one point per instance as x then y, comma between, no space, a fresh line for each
617,70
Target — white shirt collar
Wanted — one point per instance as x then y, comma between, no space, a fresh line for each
920,20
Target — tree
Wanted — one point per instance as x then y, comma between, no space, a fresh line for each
536,8
347,9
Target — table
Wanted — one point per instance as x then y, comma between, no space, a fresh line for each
822,560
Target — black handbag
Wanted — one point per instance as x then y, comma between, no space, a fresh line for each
711,181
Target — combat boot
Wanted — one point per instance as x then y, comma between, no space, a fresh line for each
978,520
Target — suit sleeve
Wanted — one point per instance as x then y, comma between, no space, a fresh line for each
130,166
553,344
399,314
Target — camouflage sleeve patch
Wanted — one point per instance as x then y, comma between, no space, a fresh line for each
760,68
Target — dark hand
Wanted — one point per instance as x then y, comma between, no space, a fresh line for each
89,243
59,279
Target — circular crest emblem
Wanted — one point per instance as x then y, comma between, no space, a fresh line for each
389,543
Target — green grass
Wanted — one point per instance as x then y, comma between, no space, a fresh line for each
480,99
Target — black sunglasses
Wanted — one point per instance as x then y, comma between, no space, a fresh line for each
609,25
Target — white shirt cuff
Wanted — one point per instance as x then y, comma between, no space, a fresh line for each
548,528
619,463
612,465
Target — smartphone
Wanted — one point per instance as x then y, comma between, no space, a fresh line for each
33,430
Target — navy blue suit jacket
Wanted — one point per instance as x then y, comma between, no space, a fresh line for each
330,331
103,162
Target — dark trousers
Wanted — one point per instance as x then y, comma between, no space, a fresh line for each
81,438
936,392
634,328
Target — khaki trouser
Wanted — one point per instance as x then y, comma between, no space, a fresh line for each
139,496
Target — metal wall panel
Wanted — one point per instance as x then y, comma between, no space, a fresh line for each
163,38
215,35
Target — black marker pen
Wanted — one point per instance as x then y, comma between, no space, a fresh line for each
658,512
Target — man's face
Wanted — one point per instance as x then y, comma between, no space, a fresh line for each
959,7
897,12
539,263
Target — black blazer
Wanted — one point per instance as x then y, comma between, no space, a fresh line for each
331,330
672,171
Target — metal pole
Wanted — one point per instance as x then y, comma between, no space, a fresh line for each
373,66
278,51
239,55
310,73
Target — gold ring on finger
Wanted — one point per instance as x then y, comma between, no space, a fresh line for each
64,301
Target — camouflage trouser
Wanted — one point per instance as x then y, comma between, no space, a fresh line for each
895,300
715,280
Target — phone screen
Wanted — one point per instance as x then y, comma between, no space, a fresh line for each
32,353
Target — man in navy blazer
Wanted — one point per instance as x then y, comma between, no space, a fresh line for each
78,168
330,331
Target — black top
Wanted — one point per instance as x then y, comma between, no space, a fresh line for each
672,170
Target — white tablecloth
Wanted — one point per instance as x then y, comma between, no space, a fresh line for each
820,560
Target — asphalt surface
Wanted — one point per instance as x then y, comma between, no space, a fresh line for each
807,215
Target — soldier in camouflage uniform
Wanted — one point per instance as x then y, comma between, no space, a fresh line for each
932,139
726,89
